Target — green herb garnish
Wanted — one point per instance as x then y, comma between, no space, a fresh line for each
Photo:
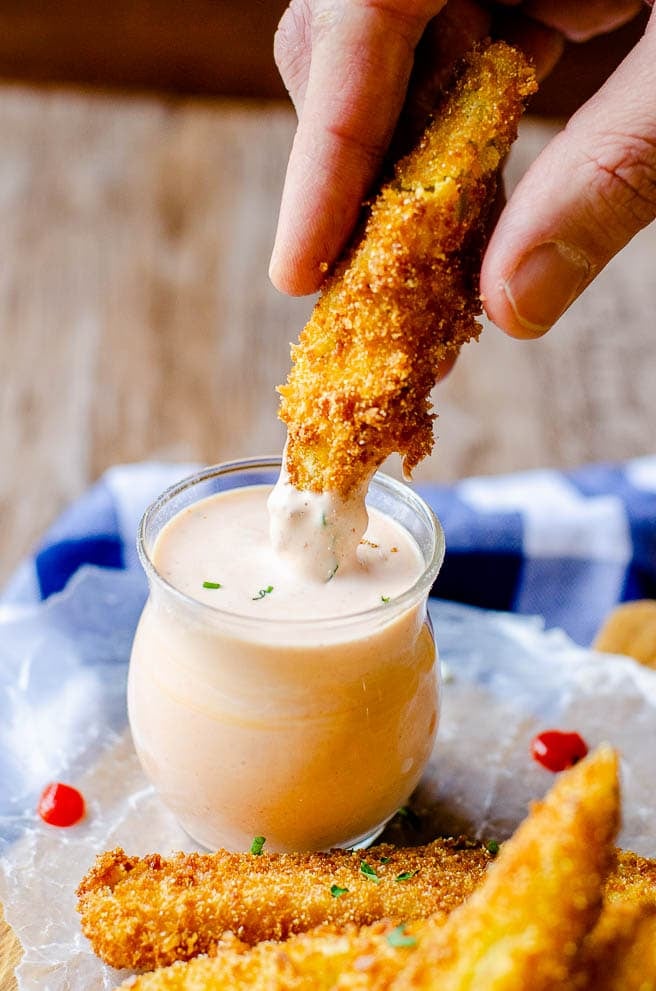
324,521
492,847
257,845
263,592
384,860
332,573
399,937
384,598
211,584
336,891
406,875
369,872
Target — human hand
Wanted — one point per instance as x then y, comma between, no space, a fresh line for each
347,64
589,192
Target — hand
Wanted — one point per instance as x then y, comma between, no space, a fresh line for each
347,65
586,195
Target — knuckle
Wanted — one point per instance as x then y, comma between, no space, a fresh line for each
624,181
291,41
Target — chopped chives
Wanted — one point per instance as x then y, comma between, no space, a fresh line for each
257,845
262,592
406,875
369,872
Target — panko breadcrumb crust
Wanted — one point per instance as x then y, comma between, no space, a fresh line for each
405,296
546,914
146,912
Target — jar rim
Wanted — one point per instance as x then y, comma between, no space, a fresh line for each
410,597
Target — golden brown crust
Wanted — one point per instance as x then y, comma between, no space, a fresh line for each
147,912
524,925
620,952
405,296
630,629
534,922
633,879
364,959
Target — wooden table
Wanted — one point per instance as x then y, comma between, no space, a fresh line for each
137,321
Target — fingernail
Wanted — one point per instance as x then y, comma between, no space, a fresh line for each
545,282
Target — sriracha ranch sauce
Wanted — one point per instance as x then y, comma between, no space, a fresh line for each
298,703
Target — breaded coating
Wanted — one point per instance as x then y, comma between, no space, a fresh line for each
365,959
146,912
630,629
405,296
633,879
620,952
523,927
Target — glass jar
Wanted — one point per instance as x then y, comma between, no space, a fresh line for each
311,733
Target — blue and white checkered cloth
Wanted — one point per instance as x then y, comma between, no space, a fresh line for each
567,546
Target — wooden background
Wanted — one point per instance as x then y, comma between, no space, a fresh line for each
137,320
136,317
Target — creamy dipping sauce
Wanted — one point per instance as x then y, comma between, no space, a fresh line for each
224,540
296,709
316,532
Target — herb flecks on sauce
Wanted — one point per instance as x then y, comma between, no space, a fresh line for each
337,892
262,592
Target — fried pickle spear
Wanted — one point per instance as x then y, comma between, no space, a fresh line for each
357,959
521,929
630,629
620,952
524,925
405,296
146,912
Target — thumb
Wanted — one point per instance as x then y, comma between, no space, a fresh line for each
589,192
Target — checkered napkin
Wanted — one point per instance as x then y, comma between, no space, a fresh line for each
564,545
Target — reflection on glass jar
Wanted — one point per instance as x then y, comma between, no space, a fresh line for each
310,732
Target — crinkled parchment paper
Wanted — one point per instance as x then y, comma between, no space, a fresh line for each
62,716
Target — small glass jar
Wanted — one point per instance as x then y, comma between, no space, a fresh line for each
311,733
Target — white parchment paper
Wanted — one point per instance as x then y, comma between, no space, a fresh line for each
63,667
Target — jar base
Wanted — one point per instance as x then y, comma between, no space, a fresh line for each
360,843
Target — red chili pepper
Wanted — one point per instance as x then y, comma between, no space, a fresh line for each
60,805
557,750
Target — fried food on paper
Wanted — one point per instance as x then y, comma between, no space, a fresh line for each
356,959
146,912
630,629
405,296
522,928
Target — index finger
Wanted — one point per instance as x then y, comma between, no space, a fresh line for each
362,55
